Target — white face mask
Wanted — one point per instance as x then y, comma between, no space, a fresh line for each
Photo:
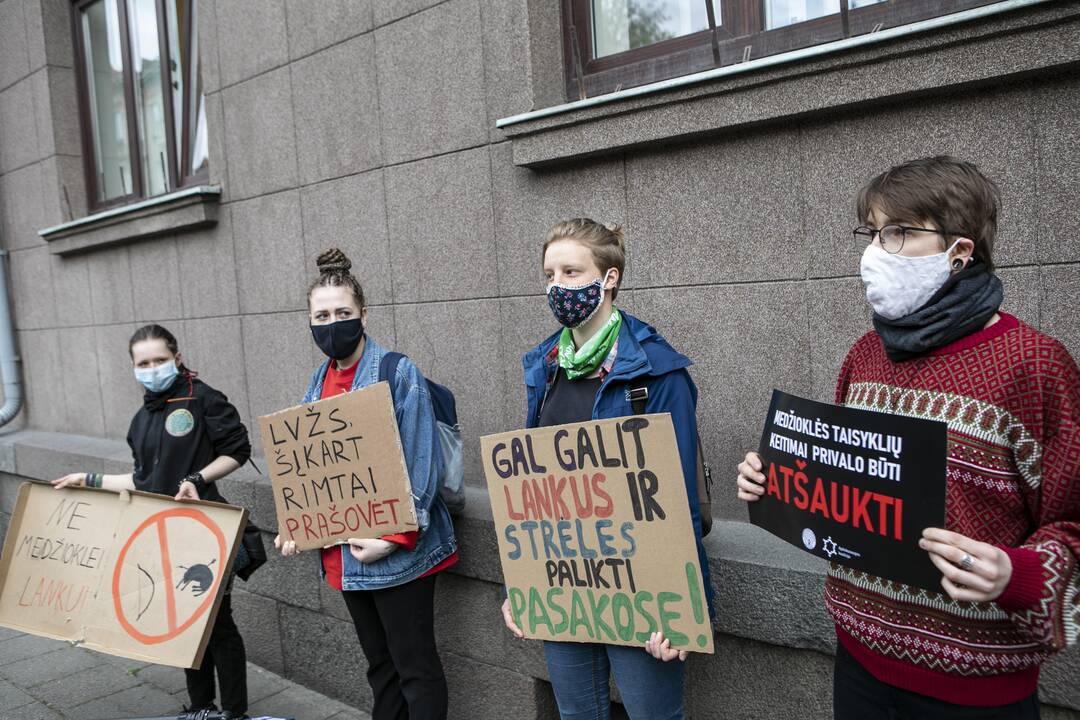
897,285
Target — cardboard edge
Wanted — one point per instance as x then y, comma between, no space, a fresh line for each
11,537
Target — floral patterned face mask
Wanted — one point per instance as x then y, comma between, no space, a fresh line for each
573,306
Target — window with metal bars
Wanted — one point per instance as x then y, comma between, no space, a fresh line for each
141,107
610,45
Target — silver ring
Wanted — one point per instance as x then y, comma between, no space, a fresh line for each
967,562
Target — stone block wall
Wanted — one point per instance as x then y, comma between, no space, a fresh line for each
371,126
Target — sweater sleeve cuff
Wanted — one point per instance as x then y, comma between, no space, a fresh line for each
1025,588
406,539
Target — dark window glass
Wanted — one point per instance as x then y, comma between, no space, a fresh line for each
781,13
615,44
141,102
107,113
621,25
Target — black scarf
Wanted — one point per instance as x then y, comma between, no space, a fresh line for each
963,305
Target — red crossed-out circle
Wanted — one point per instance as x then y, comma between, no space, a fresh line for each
158,520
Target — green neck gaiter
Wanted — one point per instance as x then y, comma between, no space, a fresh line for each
584,361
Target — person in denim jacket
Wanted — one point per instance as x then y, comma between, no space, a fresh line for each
388,583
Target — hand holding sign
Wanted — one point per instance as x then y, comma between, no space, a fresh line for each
972,571
369,550
508,619
660,648
751,482
187,491
287,547
70,480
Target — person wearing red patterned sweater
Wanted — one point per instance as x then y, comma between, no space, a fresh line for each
387,583
941,349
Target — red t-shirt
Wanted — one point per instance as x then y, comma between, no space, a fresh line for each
337,382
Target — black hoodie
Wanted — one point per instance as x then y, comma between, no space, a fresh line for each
182,430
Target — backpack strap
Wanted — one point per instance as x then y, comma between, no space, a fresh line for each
638,397
388,370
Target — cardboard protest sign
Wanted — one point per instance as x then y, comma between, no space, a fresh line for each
131,574
854,486
337,469
595,535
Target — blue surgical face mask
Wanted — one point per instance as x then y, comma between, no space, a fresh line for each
158,378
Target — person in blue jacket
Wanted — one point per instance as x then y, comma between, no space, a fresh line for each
586,371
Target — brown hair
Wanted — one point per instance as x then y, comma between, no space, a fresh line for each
607,243
334,268
950,193
153,331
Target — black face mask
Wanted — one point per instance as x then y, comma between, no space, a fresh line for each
338,340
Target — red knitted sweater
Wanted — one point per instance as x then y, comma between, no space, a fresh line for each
1011,398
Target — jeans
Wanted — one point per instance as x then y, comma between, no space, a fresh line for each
225,653
650,689
858,695
396,628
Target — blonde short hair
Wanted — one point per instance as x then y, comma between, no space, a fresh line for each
606,243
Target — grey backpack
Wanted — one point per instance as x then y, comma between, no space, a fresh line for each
452,472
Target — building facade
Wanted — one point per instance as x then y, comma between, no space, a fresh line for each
436,141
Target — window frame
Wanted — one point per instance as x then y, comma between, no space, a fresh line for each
743,25
178,166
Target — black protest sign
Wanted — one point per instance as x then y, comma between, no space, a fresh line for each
853,486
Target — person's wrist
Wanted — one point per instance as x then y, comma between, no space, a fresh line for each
93,479
198,481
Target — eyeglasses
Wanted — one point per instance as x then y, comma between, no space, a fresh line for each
892,236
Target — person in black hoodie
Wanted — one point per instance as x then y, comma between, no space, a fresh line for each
184,438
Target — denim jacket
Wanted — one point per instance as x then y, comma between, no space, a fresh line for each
420,444
643,358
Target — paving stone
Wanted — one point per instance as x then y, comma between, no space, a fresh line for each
298,702
351,715
163,677
33,711
47,667
139,700
12,697
128,665
84,686
25,646
262,683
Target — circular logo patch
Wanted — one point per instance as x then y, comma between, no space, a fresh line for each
179,423
809,539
